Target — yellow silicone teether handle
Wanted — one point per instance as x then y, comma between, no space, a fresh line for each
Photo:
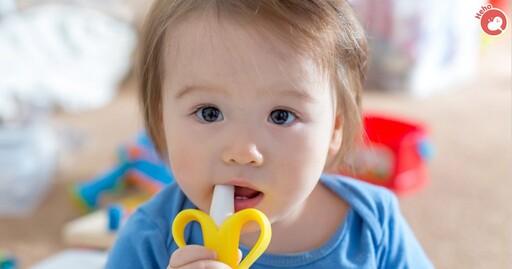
224,240
235,223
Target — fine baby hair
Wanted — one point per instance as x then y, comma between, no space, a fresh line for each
327,30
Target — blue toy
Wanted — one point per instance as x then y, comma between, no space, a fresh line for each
139,165
8,261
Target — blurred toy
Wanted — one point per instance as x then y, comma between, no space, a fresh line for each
98,229
115,217
139,165
393,154
8,261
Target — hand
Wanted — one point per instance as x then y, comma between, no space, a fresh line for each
195,256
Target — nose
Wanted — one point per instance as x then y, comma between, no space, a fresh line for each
242,153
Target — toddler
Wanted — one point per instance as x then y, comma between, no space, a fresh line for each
262,95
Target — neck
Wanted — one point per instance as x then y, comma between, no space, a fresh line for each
322,208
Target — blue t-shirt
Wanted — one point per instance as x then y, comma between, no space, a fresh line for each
374,233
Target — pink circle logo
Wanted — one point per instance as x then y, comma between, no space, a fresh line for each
493,21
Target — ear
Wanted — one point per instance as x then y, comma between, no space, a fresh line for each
337,135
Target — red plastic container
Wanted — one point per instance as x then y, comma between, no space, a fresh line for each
394,153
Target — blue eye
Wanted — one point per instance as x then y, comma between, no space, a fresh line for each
209,114
282,117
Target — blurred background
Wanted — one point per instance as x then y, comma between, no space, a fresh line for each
74,160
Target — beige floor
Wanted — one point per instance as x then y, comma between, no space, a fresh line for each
463,218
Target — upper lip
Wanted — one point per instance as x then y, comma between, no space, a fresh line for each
241,183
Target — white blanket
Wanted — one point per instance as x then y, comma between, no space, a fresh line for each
63,55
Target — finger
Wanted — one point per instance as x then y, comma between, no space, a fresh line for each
189,254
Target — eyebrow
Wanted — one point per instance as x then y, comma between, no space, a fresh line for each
189,89
296,93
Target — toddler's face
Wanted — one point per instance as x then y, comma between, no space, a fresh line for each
245,109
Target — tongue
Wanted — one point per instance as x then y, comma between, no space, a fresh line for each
245,192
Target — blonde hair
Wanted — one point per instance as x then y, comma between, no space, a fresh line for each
326,28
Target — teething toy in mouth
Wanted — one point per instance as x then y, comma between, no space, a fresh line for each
221,230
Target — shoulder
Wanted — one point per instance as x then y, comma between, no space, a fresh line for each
378,215
375,205
160,210
366,198
166,203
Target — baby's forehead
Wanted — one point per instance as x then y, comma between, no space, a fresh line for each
202,47
224,34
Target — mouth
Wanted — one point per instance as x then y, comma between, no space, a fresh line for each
246,197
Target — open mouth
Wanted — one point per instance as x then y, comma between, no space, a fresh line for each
246,198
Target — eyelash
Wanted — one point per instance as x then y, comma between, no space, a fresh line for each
294,114
198,108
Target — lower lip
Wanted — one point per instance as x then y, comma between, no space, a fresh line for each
248,203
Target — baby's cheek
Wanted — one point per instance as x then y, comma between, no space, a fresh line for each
181,161
178,161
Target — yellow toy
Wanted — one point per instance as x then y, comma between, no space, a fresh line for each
221,230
